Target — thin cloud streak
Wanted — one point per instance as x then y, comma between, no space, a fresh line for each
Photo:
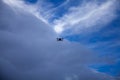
33,9
87,15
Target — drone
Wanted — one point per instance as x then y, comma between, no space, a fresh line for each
59,39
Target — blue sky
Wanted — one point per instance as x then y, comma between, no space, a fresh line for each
108,34
102,40
92,27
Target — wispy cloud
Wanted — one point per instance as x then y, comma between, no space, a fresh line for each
87,15
35,9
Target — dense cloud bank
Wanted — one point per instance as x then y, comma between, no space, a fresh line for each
29,51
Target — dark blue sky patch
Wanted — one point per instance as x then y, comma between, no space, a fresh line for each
58,13
62,10
74,38
56,2
31,1
110,69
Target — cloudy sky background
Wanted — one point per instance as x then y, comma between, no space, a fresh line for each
28,46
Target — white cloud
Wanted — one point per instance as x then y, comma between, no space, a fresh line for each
29,51
35,9
87,15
